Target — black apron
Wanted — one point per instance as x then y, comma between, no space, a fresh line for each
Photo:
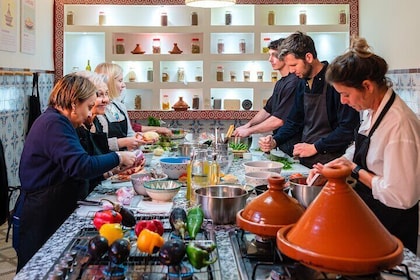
403,223
38,214
34,103
118,129
316,126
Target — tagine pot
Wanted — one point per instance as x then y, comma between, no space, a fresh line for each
180,105
339,234
270,211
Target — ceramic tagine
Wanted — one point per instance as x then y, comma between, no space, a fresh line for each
180,105
137,50
339,234
175,49
270,211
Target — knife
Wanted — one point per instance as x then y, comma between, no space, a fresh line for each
87,202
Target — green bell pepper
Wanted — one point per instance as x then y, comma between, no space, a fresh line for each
195,218
199,253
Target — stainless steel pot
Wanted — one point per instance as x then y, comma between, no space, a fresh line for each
221,202
186,149
302,192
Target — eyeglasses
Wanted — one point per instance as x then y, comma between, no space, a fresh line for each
102,94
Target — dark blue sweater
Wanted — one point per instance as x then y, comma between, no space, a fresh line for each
52,154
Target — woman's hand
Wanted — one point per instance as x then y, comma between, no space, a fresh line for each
267,143
131,143
127,159
318,167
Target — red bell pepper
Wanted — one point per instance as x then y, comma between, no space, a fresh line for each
106,217
152,225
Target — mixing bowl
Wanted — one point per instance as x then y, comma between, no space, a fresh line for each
263,165
164,190
302,192
259,177
174,167
138,181
221,203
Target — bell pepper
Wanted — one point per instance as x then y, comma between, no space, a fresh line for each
152,225
106,217
195,218
199,254
149,241
111,232
128,218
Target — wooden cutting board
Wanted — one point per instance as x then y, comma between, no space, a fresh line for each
231,104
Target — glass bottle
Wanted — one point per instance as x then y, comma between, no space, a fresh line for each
119,46
88,68
165,74
198,74
271,17
302,17
102,18
196,102
199,171
195,45
132,77
189,187
219,74
194,18
165,102
220,46
228,18
266,43
156,45
164,19
214,171
137,102
181,74
70,18
150,74
343,17
242,46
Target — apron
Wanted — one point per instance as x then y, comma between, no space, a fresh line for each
38,214
118,129
403,223
316,126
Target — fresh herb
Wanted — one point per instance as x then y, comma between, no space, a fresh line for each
151,121
238,146
287,164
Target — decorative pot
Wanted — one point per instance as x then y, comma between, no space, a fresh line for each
180,105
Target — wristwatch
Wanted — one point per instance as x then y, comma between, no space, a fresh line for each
355,172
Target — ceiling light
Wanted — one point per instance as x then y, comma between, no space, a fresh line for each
209,3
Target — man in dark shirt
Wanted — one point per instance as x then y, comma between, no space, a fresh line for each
326,125
278,106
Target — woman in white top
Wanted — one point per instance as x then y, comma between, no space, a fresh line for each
385,157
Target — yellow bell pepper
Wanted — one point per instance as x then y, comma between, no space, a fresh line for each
111,232
149,241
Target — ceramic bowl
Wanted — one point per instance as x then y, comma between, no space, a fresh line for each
259,177
262,165
139,179
174,167
163,190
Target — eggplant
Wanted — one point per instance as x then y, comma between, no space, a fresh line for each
172,252
178,220
97,247
128,218
119,251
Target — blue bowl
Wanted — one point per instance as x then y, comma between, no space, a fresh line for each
174,160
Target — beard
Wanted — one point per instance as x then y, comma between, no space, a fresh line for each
308,71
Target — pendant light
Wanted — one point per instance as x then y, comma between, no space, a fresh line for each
210,3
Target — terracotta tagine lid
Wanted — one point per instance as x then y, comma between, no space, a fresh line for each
175,49
339,233
270,211
180,105
137,50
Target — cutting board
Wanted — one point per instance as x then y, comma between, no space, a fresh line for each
231,104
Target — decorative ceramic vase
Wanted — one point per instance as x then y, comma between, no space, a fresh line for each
180,105
338,232
270,211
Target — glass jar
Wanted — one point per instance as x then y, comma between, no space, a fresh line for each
194,18
119,46
271,17
199,172
164,19
198,74
220,46
196,102
343,17
274,76
156,45
165,74
132,77
242,46
195,45
228,18
260,76
302,17
219,74
137,102
181,74
150,74
70,18
266,43
102,18
232,76
165,102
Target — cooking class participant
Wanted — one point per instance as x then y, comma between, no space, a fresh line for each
326,125
278,106
53,164
115,121
385,157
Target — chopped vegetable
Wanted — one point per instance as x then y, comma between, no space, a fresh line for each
287,163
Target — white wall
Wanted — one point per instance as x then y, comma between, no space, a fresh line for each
391,27
43,58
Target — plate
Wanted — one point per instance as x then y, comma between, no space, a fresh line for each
247,104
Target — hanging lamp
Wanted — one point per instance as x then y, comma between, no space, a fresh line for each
210,3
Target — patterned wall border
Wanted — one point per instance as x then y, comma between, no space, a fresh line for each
404,71
192,115
59,17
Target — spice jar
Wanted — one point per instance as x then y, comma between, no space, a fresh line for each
165,102
165,74
266,43
343,17
181,74
220,46
195,45
194,18
228,18
219,74
232,76
260,76
119,46
137,102
271,16
198,74
132,77
274,76
196,102
302,17
164,19
150,74
156,45
242,46
102,18
70,18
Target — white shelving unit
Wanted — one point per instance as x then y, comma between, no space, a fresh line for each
138,24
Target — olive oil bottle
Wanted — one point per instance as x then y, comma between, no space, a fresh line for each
88,68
